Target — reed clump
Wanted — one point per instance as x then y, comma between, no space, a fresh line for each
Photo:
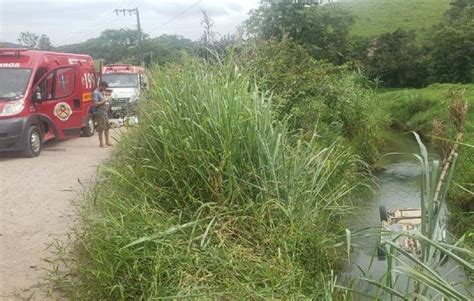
210,197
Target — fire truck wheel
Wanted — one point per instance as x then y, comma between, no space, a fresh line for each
89,129
383,213
34,142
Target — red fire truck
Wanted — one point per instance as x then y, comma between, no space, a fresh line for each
43,96
127,82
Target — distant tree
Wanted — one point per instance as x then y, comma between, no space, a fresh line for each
44,43
121,46
452,58
322,29
28,39
452,47
33,41
167,49
460,11
113,45
396,60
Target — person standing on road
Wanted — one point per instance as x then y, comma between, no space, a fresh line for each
101,113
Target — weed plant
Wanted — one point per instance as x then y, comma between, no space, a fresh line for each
210,197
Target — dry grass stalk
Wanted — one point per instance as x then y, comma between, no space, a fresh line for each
458,114
439,130
458,110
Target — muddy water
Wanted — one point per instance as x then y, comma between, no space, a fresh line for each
398,187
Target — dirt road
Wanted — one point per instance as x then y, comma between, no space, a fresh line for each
36,208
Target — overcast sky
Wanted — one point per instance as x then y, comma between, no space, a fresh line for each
71,21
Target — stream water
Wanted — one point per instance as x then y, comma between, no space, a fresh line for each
398,187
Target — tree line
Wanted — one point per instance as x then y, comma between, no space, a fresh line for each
391,59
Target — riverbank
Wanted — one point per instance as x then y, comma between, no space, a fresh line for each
415,110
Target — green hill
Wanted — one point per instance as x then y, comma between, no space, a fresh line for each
378,16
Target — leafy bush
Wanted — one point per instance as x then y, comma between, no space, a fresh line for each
317,94
207,198
451,58
322,29
395,59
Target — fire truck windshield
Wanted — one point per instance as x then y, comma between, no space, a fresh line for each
121,80
13,82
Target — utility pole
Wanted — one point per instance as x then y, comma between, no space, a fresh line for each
140,35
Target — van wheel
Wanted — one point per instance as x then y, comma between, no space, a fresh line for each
34,142
88,130
383,213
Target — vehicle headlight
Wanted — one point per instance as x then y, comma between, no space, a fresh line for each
12,108
134,98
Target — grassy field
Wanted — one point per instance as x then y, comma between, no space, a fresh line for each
415,109
377,16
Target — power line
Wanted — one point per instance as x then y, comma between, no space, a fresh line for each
90,29
104,18
136,12
177,15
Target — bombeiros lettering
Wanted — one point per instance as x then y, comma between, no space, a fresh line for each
9,65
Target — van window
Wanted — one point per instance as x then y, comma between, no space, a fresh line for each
45,88
13,83
121,80
39,73
65,79
57,85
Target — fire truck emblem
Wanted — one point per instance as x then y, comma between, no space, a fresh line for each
62,110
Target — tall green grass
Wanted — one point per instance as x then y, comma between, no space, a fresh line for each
210,197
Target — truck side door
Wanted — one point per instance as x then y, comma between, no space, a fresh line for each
57,96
